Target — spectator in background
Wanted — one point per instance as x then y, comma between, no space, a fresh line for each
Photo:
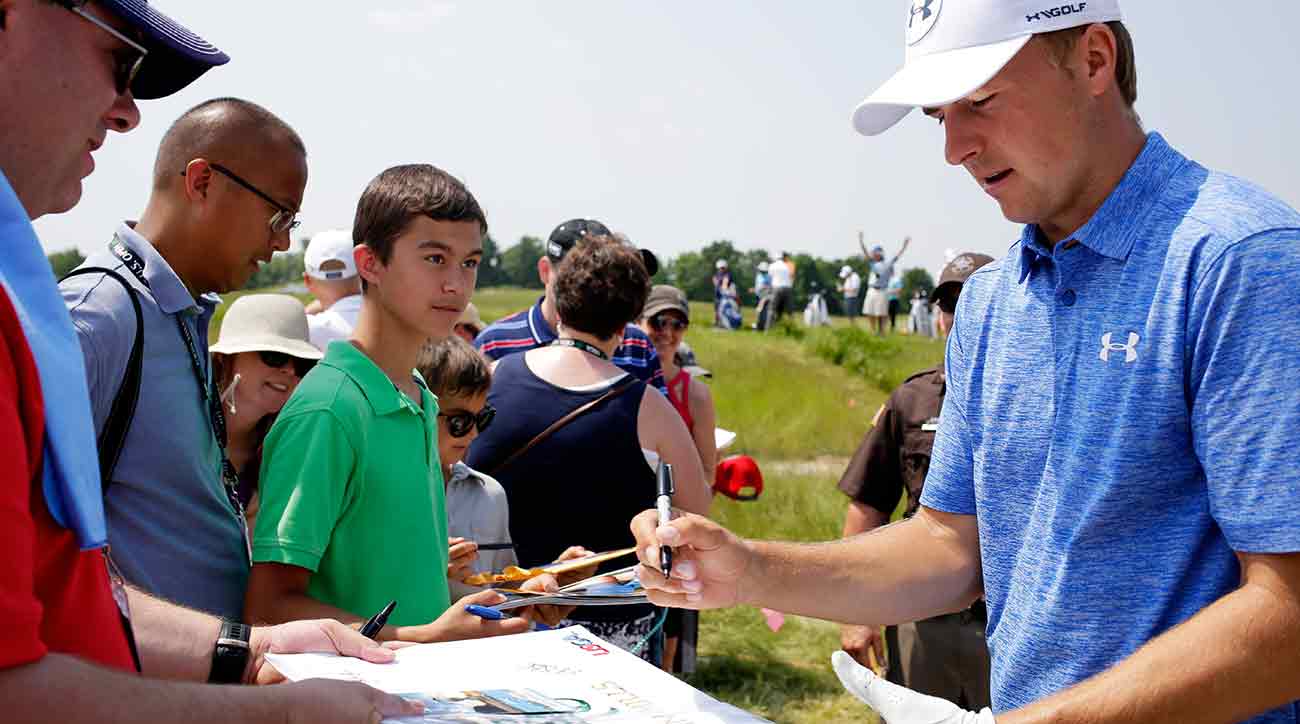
666,317
782,274
69,651
918,318
893,292
946,655
330,274
536,326
593,467
227,184
261,353
726,304
469,326
763,290
876,305
347,469
850,286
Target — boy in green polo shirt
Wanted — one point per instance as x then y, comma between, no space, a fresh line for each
352,497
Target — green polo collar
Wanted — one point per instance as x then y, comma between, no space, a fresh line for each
380,392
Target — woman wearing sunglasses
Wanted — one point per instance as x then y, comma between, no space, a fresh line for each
261,354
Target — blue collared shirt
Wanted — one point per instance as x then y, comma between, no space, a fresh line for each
171,527
1121,418
529,329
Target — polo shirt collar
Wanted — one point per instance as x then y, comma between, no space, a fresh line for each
1115,227
380,392
541,330
165,286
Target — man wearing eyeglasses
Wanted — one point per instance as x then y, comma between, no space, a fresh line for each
227,182
69,73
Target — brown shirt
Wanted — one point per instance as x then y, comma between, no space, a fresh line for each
895,454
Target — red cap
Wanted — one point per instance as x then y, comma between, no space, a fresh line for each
739,478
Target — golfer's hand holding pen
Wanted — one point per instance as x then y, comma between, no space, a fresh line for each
707,565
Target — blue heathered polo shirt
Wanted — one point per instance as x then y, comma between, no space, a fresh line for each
1121,416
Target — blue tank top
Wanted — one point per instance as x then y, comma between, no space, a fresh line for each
580,486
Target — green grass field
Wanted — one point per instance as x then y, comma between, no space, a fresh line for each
800,403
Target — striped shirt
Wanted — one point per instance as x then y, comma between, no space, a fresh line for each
529,329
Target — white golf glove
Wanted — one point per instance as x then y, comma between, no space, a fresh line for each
896,704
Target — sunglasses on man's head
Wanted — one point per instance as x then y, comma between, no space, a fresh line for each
661,322
276,360
459,423
126,61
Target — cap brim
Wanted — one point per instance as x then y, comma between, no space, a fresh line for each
933,80
938,291
177,57
291,347
651,311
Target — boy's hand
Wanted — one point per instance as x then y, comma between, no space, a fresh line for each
457,624
549,615
573,553
461,554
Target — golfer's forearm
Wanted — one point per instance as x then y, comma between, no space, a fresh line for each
1235,659
902,572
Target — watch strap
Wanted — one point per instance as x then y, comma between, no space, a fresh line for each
231,653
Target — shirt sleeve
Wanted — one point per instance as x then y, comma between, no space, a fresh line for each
307,465
1243,390
104,320
874,476
950,484
21,612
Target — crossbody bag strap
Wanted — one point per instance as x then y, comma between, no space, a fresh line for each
555,426
113,437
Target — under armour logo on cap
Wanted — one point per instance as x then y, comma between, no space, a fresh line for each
1130,349
921,18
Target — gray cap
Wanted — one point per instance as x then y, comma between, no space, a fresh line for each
664,297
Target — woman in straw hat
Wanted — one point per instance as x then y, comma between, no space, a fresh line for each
261,354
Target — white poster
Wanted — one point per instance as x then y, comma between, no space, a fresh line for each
552,677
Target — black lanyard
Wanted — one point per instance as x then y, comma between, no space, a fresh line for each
212,401
579,344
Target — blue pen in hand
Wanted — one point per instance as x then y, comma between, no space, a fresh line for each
483,612
664,504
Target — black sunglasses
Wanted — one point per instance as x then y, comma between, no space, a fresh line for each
276,360
660,322
285,218
126,62
459,424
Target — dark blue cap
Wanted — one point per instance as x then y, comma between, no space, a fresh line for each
177,57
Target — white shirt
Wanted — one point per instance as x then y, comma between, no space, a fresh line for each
852,283
337,322
782,276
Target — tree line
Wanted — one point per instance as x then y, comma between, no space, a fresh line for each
691,271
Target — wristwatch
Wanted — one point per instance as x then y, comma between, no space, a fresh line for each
231,655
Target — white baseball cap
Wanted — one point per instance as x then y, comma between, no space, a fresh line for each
334,245
956,46
845,271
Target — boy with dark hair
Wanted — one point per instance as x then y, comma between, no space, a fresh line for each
351,465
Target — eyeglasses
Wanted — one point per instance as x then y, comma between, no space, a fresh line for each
285,218
276,360
660,322
126,62
459,424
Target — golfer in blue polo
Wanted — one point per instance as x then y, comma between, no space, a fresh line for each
1115,468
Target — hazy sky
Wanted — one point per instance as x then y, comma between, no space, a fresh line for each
675,121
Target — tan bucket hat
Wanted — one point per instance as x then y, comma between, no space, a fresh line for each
266,322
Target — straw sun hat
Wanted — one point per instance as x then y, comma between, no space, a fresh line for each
266,322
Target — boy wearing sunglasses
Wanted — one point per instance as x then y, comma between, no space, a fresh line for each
352,498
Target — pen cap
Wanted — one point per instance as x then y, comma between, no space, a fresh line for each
664,479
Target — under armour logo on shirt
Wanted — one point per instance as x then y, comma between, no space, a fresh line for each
1130,349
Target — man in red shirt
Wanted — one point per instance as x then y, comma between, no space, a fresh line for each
70,71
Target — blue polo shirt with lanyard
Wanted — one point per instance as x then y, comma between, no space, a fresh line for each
1121,417
173,529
